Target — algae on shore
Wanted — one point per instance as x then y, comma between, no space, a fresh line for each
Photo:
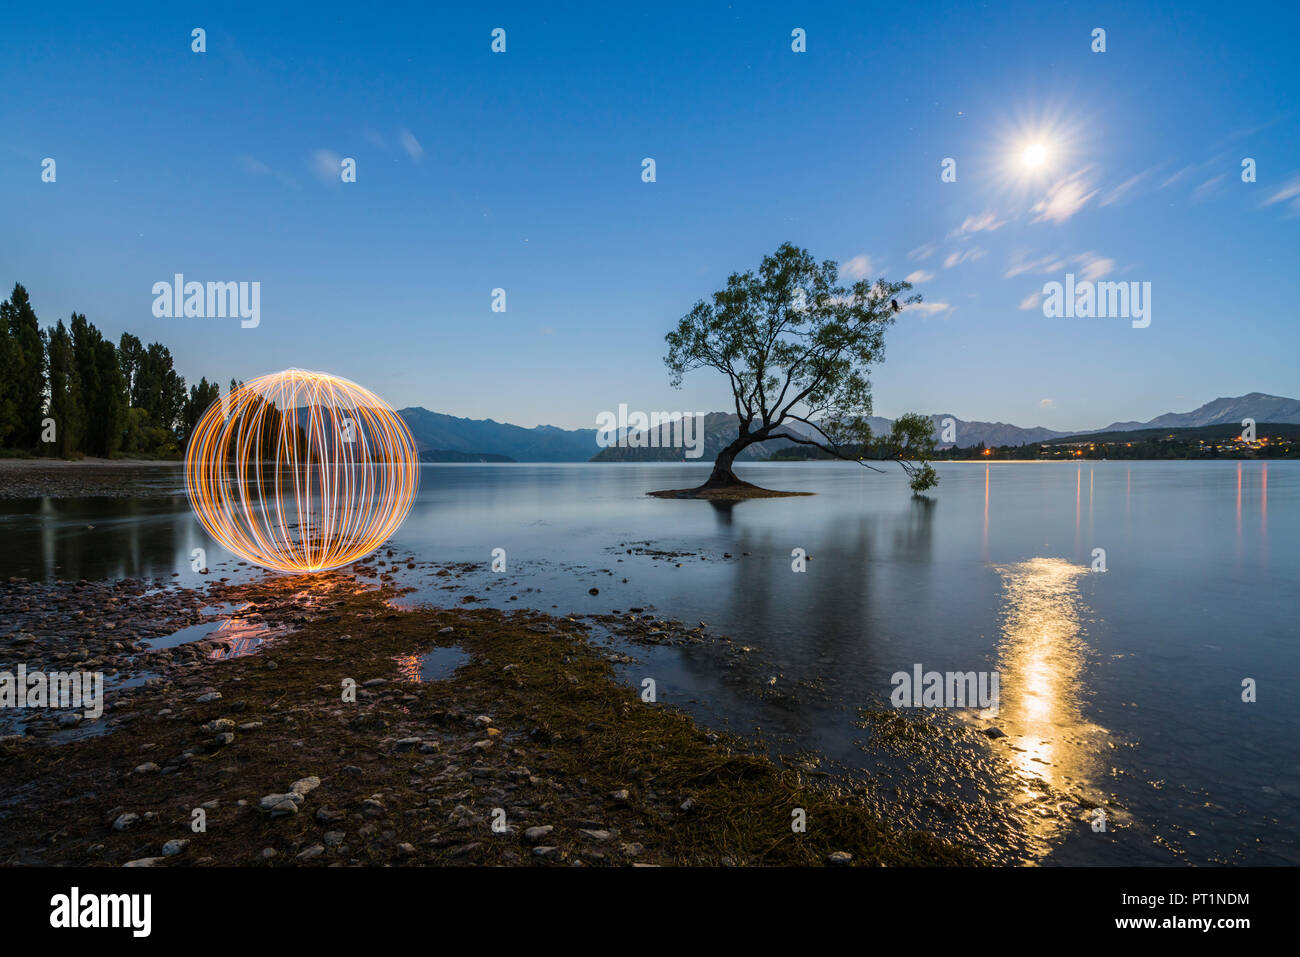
531,752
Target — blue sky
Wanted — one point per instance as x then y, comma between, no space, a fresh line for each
522,170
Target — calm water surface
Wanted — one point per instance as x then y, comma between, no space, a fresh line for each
1124,685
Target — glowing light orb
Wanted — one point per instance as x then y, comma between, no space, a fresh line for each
301,471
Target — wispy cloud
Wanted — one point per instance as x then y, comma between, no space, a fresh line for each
1046,403
254,166
928,308
859,267
919,275
410,144
1289,194
1207,189
1031,301
1094,267
1123,189
1019,266
1065,198
963,255
326,164
921,253
984,222
1177,176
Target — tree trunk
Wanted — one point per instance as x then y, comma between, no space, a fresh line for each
722,475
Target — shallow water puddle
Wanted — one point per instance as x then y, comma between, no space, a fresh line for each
238,636
438,664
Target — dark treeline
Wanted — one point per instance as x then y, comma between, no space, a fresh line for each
67,391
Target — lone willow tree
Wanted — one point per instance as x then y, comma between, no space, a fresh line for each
796,347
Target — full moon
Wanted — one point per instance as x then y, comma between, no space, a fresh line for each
1034,156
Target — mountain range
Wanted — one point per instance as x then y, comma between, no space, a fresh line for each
443,438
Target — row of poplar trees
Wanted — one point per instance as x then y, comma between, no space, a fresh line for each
67,391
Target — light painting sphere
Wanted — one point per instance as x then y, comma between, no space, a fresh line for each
301,471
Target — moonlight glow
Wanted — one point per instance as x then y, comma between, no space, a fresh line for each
1034,156
301,471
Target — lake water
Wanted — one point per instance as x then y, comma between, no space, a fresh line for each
1124,686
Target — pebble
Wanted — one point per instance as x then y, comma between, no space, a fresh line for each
172,848
210,696
316,850
535,835
275,803
839,858
125,820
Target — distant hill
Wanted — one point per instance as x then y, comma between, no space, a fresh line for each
434,431
720,428
1200,433
438,434
447,455
1229,411
970,433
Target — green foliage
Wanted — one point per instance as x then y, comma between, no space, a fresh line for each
105,400
8,362
797,345
25,368
201,396
65,407
910,443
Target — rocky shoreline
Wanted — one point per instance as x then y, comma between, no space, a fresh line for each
88,478
319,748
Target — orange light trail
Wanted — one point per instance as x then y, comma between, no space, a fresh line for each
301,471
